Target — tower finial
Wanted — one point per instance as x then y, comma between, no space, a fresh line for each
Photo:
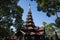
29,6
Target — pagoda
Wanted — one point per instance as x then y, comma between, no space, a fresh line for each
30,31
29,20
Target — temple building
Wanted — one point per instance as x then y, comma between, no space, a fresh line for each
30,31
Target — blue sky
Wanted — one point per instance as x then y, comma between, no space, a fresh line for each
38,17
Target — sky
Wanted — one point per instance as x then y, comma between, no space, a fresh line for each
38,17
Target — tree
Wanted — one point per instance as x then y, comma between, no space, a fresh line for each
50,7
58,32
10,15
50,30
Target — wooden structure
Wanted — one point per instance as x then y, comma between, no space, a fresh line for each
30,31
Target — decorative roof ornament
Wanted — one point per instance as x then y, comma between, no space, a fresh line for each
29,7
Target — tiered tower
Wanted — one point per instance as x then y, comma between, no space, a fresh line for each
30,31
29,20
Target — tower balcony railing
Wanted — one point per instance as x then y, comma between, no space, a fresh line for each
29,19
